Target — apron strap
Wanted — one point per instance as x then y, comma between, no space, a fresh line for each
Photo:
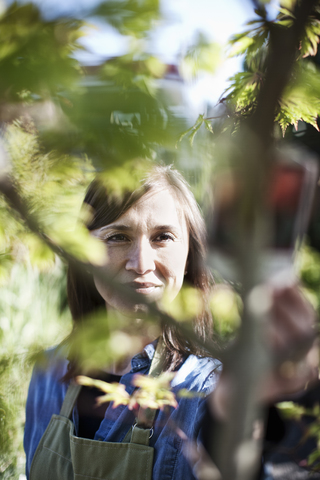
140,435
146,416
70,399
156,366
142,430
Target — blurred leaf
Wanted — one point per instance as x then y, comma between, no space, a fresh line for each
191,132
40,254
241,95
36,54
225,306
152,393
208,125
289,4
309,43
203,56
250,41
291,410
104,339
185,306
78,242
115,392
301,98
240,45
313,457
185,393
130,17
120,119
126,177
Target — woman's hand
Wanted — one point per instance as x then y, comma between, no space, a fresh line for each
291,335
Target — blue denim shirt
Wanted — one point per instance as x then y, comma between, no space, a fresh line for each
46,394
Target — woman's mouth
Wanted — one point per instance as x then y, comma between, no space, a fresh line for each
144,288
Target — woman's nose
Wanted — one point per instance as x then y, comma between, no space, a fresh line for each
141,258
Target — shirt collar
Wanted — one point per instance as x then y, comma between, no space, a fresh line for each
144,358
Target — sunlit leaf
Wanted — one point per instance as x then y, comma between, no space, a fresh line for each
126,177
40,254
240,46
36,54
313,457
114,392
291,410
152,393
130,17
225,308
185,306
191,132
203,56
288,4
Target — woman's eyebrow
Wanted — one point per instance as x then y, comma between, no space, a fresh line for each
126,228
166,227
112,226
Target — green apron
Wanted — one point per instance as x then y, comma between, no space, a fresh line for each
63,456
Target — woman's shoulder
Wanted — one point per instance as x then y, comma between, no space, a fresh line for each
52,362
45,396
198,373
46,382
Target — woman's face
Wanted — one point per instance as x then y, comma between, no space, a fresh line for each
147,250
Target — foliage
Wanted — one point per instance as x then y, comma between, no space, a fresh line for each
308,262
130,17
226,306
292,411
36,54
202,56
300,100
103,339
153,392
52,187
33,316
192,131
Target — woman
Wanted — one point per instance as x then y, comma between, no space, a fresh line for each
155,239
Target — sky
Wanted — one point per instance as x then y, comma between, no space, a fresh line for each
218,19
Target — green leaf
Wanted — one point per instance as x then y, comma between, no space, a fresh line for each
310,40
130,17
288,4
301,98
313,457
291,410
203,56
37,55
241,45
286,12
185,306
191,132
208,125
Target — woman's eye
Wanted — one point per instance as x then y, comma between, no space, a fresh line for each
164,237
116,238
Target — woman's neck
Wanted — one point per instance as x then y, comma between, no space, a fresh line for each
137,342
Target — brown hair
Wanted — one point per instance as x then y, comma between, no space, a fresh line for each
83,296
